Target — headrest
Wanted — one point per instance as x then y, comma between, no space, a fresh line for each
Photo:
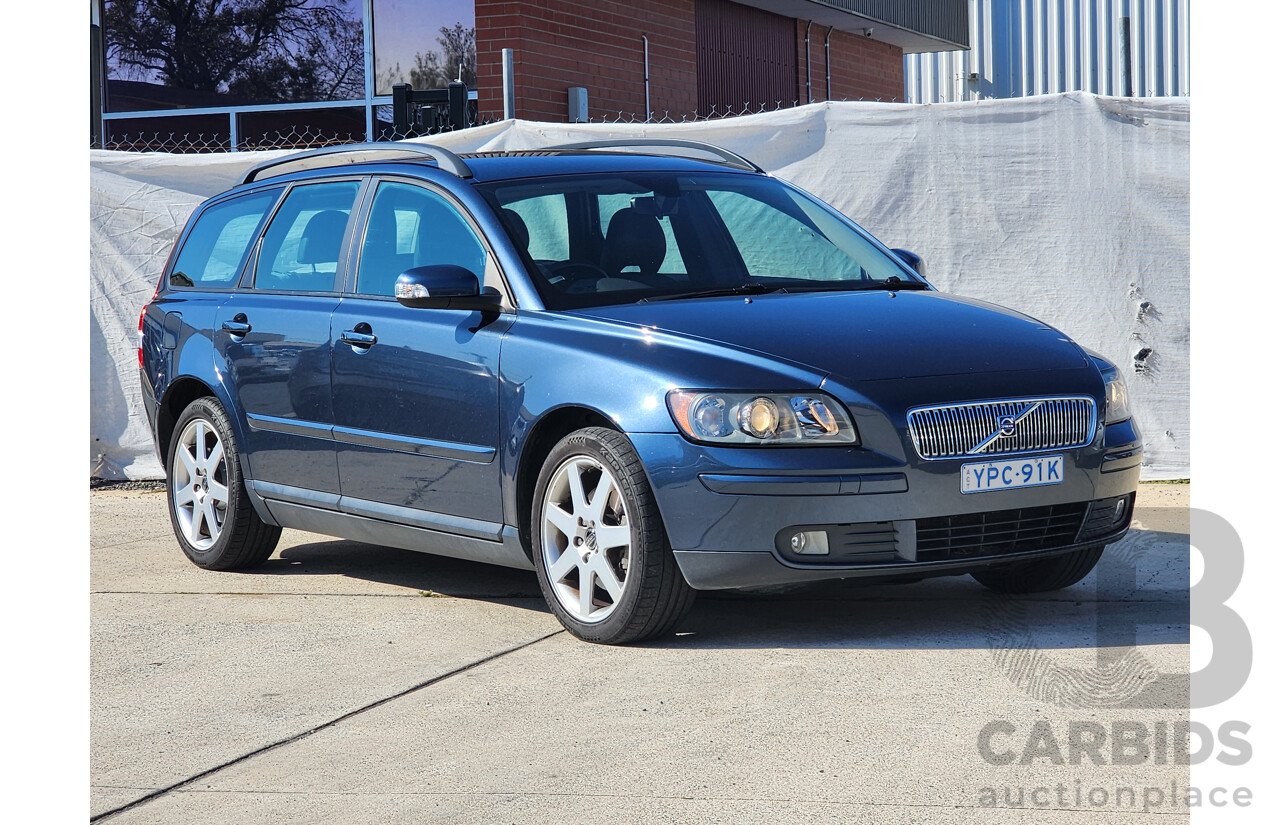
517,227
322,239
634,240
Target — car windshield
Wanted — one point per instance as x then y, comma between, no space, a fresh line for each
592,240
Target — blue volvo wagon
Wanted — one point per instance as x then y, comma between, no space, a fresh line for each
640,370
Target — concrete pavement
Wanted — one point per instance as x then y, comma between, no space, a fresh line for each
349,683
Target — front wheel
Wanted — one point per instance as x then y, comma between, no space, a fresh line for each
1041,576
212,516
600,549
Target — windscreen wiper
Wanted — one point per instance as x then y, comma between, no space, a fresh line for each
740,289
893,283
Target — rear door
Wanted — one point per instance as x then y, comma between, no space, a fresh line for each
415,391
274,339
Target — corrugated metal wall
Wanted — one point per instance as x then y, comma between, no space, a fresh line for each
940,18
746,57
1033,47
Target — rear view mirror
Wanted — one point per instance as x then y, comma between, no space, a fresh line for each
658,206
911,259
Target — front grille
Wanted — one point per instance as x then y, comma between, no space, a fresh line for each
970,430
999,533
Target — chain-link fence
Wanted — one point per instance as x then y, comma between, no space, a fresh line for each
275,130
424,121
714,112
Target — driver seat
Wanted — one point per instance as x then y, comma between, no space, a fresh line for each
635,240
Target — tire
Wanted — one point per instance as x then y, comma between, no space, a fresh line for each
1043,575
212,517
618,542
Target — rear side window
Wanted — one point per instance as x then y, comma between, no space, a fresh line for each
215,248
301,247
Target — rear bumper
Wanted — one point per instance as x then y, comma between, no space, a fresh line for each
730,513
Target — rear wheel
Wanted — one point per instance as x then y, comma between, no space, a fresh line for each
1040,576
600,548
212,516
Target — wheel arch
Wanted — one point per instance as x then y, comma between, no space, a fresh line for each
177,397
543,436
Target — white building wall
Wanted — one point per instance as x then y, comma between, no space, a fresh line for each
1033,47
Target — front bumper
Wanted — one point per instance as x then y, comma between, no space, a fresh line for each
730,512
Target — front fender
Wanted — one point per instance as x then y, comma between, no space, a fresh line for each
620,372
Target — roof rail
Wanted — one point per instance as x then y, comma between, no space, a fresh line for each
730,158
444,159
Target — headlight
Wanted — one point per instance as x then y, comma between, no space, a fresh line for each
1117,398
803,418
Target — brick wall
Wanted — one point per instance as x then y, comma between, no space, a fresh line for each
563,43
862,68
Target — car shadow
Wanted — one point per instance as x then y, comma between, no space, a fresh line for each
1139,594
430,574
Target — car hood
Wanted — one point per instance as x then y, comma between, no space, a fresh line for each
863,336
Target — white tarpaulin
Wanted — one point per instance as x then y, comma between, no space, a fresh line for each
1071,208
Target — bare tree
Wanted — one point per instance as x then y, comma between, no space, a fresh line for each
267,49
459,59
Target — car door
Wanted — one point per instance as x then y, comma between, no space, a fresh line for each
415,391
273,336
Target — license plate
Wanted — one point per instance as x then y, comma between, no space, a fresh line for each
1009,475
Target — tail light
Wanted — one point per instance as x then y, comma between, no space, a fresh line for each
142,317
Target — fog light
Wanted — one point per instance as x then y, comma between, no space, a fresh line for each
1121,506
810,543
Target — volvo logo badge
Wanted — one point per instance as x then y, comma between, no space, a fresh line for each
1008,425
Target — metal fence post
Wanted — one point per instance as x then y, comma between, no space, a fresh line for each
400,109
457,105
508,84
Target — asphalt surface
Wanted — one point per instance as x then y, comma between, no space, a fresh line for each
348,683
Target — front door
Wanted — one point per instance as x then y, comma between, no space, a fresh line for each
415,391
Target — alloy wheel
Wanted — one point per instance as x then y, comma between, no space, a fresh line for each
200,484
586,539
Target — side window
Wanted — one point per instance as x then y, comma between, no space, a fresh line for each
672,263
215,249
301,247
410,226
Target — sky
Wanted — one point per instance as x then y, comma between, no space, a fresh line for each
418,24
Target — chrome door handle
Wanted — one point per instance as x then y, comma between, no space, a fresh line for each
363,340
238,325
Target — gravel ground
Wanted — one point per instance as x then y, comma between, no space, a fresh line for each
115,484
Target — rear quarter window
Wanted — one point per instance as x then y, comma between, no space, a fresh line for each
215,248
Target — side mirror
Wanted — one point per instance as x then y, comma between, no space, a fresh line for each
911,259
443,286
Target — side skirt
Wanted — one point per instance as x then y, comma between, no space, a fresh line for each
320,513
